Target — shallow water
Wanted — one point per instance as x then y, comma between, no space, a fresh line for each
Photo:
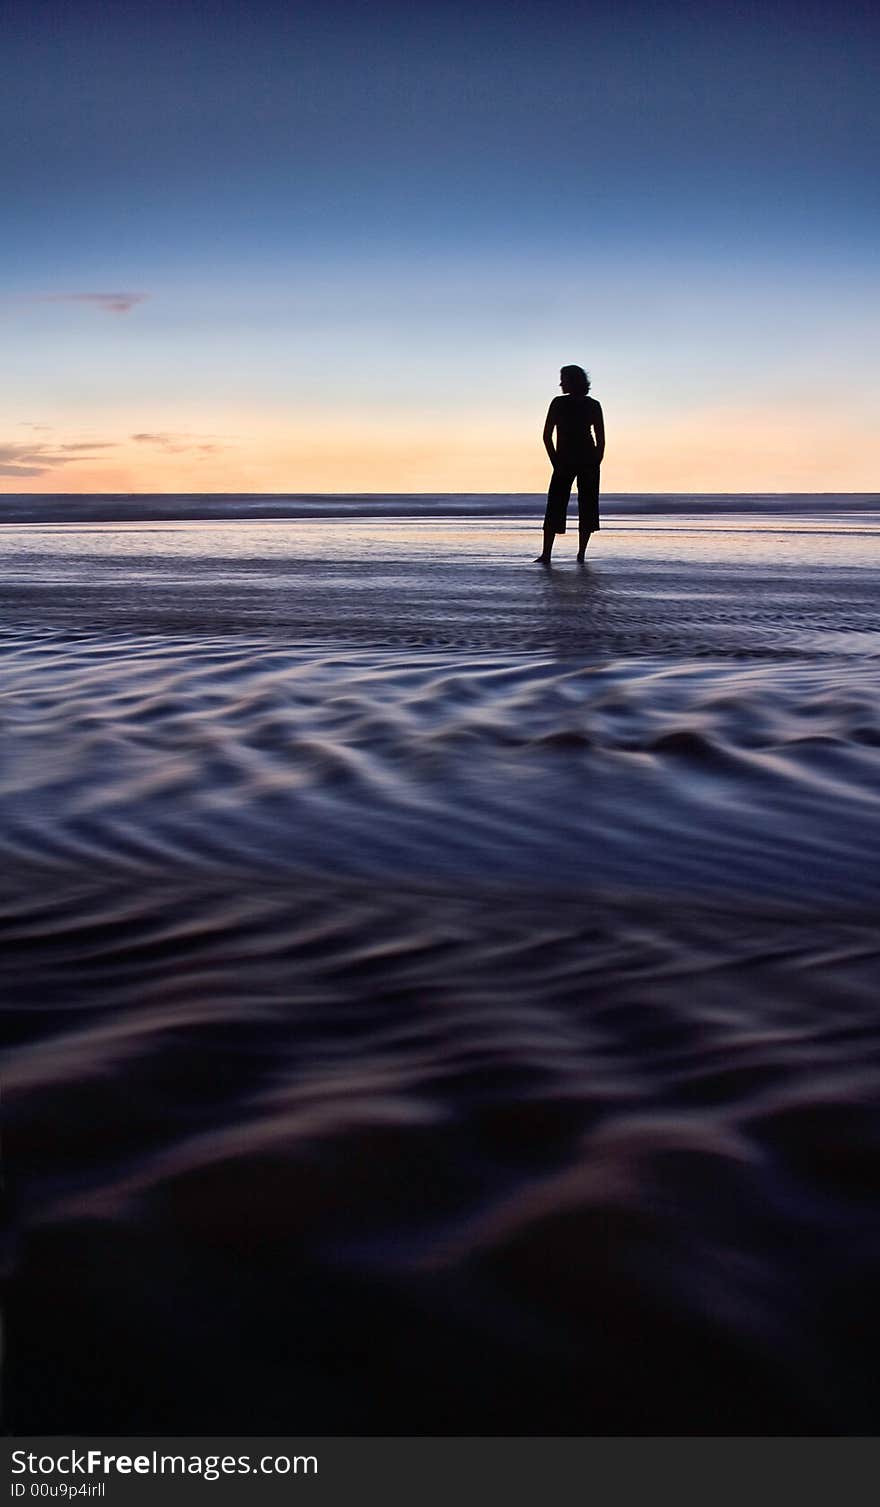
443,991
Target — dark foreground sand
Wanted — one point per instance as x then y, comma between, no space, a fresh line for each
443,996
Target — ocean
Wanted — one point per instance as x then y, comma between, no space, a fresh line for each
441,991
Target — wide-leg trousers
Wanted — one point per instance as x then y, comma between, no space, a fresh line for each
585,470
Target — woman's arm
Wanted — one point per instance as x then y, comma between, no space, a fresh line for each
547,436
599,431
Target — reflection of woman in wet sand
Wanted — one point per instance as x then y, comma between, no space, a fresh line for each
580,446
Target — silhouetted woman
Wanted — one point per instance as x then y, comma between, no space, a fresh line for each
580,446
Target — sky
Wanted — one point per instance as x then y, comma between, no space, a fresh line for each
336,247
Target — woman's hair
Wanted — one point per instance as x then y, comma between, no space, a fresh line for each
577,379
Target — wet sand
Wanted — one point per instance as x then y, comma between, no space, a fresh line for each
443,992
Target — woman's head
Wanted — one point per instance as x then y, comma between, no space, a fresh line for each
574,379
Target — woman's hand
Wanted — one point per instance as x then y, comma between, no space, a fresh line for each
599,431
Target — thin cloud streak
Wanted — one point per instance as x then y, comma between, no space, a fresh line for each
43,458
176,444
37,459
110,303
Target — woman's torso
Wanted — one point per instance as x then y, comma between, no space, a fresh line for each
573,417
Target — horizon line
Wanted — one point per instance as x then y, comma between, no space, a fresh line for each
608,496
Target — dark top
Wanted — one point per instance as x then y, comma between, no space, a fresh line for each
573,416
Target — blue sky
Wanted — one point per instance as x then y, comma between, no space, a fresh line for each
360,239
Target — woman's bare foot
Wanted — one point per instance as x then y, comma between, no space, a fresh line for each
541,560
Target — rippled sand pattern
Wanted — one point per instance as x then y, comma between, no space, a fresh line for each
139,755
442,997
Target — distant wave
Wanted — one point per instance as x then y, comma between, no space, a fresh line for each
141,506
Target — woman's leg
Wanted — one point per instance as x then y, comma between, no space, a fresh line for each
557,505
544,557
588,505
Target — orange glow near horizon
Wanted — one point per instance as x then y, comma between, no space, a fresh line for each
744,450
